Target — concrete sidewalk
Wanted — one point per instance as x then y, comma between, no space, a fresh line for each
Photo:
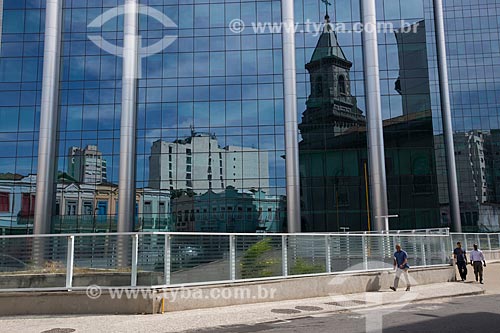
236,315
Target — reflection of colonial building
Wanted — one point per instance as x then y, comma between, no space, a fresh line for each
333,152
198,163
229,211
477,156
87,165
80,207
17,202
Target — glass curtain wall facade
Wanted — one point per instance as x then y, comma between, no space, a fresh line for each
333,150
474,65
211,118
21,64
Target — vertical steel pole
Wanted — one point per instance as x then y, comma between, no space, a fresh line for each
489,242
1,22
284,255
232,257
375,132
446,116
328,254
126,185
291,126
70,258
424,257
167,259
135,254
444,253
49,117
365,252
428,247
452,242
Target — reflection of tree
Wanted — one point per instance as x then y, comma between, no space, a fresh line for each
179,193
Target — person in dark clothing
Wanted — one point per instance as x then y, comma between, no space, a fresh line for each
460,256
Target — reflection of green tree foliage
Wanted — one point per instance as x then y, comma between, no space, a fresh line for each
178,193
303,267
258,260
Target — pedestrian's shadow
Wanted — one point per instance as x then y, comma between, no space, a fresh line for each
373,284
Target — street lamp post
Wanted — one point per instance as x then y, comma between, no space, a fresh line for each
386,221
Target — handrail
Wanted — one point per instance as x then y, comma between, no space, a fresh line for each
171,259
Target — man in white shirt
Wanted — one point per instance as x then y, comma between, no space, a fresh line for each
477,261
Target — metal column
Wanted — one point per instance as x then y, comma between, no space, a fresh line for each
1,22
375,132
126,185
446,115
49,116
291,126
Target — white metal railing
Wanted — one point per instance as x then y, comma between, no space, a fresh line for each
162,259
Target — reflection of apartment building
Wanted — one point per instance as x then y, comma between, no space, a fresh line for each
475,156
229,211
87,165
198,163
473,175
493,160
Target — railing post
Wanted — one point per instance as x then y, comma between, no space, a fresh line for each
424,259
284,255
135,252
444,253
348,248
232,257
70,259
428,246
452,243
489,241
167,259
478,241
328,254
365,251
465,242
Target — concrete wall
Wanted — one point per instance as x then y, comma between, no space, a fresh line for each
58,280
300,287
176,299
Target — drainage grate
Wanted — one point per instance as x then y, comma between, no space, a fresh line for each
285,311
309,308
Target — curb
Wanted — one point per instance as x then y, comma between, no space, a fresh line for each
301,315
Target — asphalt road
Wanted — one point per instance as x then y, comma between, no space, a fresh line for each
463,314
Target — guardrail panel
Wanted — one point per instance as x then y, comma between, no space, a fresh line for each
199,258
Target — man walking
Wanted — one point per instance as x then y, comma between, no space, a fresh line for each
461,260
401,266
477,261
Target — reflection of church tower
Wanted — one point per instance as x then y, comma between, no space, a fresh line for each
330,103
